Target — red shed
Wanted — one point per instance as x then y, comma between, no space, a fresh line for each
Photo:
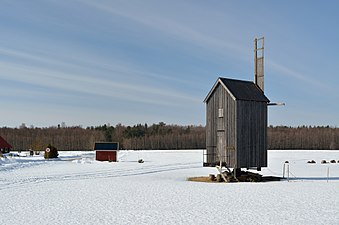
4,146
106,151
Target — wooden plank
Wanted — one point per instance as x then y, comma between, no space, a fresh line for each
252,134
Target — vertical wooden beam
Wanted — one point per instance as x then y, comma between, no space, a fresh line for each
255,60
259,63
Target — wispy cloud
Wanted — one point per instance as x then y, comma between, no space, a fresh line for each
306,79
172,28
88,81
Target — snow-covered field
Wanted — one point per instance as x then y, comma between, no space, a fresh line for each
76,189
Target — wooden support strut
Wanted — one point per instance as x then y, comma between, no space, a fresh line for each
219,168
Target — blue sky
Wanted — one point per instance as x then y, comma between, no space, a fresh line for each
87,62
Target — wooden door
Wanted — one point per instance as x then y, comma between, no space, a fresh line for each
221,146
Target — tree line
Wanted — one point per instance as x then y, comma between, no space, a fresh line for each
158,136
137,137
303,137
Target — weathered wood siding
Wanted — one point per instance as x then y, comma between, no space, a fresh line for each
220,127
239,136
251,134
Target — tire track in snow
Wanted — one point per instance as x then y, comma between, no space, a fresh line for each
98,174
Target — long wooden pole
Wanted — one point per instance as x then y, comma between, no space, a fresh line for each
255,61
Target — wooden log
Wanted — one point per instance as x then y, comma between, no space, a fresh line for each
219,178
237,172
211,177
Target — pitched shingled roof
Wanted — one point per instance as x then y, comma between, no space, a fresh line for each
4,143
240,90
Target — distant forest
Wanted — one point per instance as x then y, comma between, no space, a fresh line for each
158,136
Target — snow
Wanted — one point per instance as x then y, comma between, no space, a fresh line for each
76,189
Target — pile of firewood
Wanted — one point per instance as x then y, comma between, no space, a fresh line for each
244,176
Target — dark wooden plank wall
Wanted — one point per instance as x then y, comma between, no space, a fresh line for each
230,129
211,130
251,134
220,127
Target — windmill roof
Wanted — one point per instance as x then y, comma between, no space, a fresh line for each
240,90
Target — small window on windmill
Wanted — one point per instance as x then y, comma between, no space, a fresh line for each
221,113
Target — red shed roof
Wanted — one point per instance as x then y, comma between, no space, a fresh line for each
4,143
